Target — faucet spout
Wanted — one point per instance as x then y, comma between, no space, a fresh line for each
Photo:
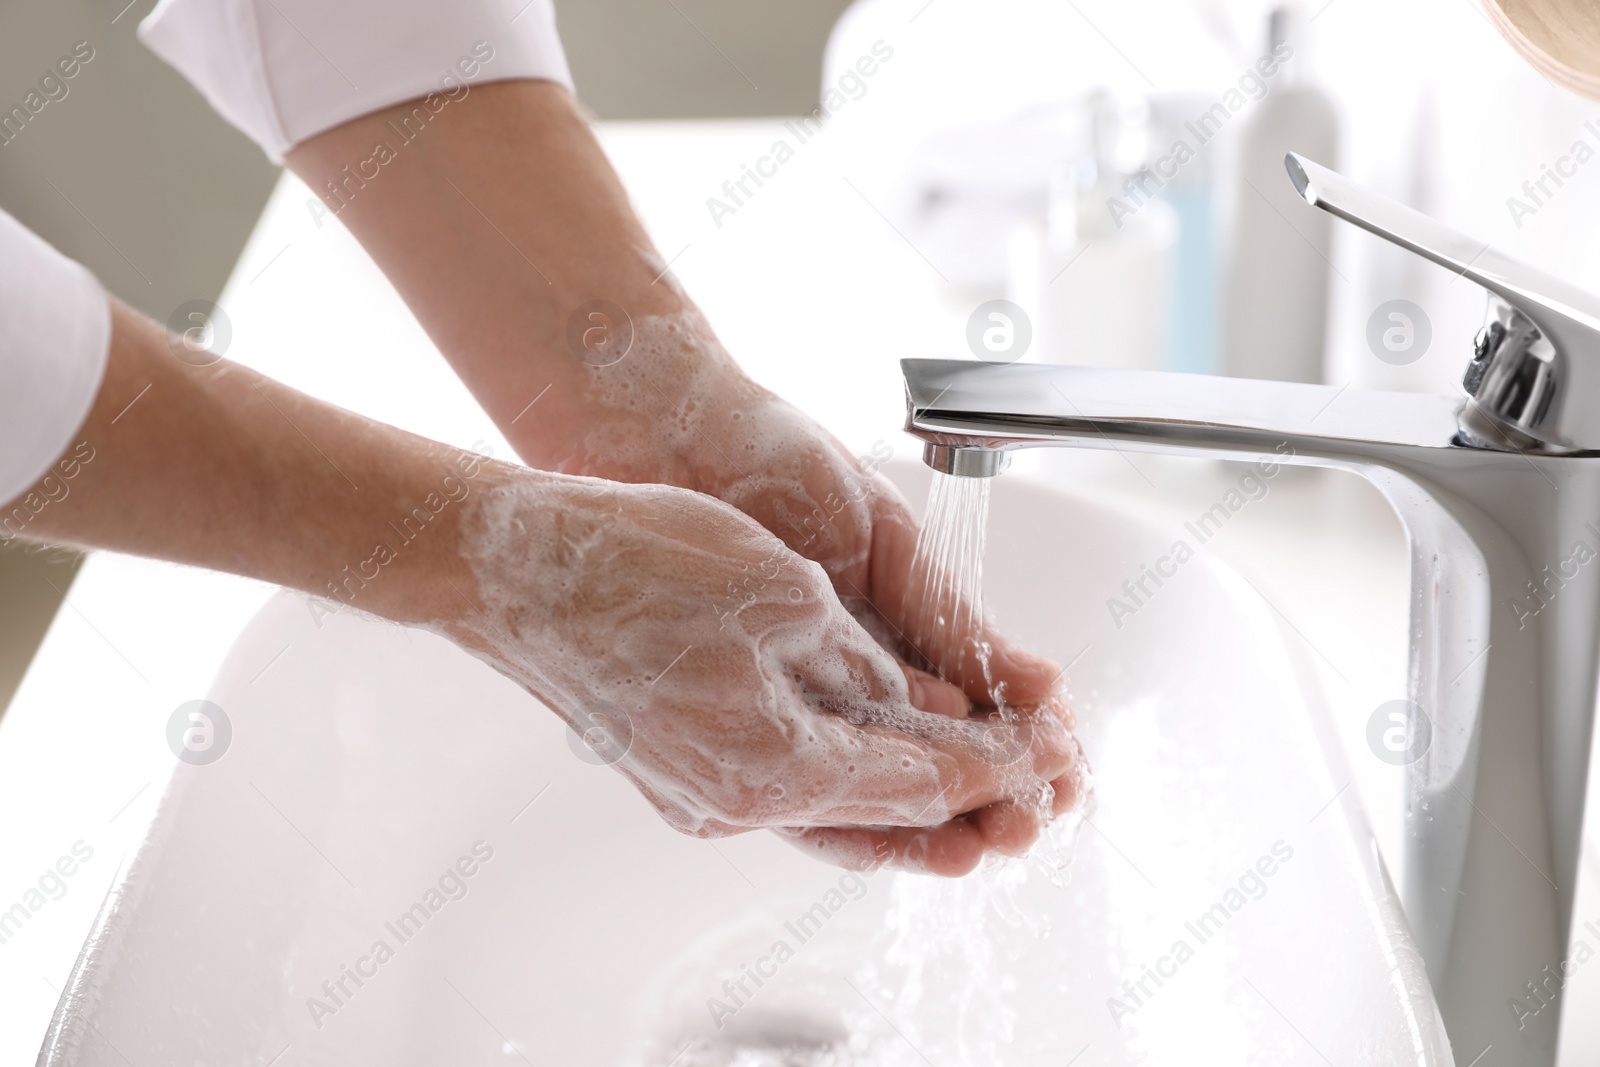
965,405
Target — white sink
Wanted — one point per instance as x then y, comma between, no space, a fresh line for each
368,760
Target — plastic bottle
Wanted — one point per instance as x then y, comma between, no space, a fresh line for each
1275,304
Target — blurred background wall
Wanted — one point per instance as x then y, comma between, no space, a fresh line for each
132,173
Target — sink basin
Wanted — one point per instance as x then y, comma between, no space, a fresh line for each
402,858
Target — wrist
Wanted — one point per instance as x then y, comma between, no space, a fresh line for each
649,397
402,558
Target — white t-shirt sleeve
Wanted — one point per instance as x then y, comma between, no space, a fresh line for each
286,70
55,335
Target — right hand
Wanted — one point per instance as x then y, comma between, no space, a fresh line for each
718,671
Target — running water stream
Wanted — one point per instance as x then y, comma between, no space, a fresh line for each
946,589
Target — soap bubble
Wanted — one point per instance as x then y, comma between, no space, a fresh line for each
199,332
1399,732
199,732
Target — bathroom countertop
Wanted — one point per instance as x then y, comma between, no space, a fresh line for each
812,290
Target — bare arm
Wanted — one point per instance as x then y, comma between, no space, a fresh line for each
782,713
221,467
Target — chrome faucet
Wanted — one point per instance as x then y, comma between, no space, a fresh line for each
1499,491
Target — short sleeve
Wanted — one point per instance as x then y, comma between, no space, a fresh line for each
55,335
284,71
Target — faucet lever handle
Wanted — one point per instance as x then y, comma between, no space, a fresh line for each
1537,361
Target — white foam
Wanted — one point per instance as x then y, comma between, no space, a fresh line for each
751,695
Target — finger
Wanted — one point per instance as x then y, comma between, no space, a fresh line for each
1047,731
1029,678
951,849
1009,827
867,665
911,768
980,762
1037,740
933,695
893,779
885,762
1012,674
1067,791
1074,786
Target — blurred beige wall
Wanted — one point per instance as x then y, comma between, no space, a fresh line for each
132,174
658,59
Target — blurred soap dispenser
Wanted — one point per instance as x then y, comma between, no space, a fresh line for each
1275,302
1094,273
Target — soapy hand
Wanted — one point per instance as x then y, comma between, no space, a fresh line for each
718,671
678,410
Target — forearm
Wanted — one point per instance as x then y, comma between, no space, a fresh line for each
223,468
495,224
